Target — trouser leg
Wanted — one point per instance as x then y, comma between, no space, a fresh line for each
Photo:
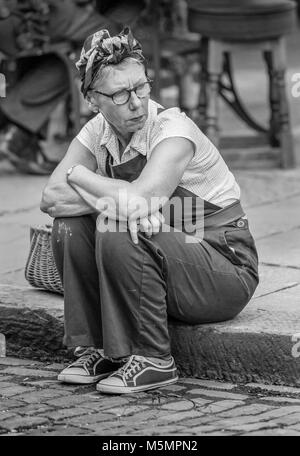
140,285
73,243
133,296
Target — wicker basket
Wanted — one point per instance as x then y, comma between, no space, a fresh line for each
40,269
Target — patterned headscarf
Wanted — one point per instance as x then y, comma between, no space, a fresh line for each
101,49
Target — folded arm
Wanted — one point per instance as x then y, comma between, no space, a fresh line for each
133,201
59,199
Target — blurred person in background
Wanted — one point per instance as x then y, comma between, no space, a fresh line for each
42,82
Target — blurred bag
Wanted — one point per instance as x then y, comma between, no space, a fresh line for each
40,269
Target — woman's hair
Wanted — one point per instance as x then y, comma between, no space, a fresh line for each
105,70
100,51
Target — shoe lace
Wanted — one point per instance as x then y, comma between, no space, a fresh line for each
133,365
87,359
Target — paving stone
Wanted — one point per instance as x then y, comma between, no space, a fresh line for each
207,418
21,191
276,399
152,431
282,218
57,367
220,406
69,401
162,430
12,433
10,361
6,404
42,395
172,417
146,418
275,278
251,427
2,345
61,414
68,389
88,420
288,420
252,409
172,388
295,427
42,383
199,401
23,422
178,406
280,412
264,417
275,388
221,394
126,410
206,429
272,433
105,405
32,409
209,383
15,390
4,415
25,372
5,385
59,430
218,434
282,249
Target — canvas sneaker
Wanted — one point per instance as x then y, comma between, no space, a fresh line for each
90,367
138,374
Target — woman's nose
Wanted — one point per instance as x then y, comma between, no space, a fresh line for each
134,101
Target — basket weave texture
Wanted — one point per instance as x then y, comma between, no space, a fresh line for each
40,269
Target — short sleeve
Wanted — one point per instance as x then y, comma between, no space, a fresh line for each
174,123
89,133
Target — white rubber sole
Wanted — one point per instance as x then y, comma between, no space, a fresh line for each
81,379
112,389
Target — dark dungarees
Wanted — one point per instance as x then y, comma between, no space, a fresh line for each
119,295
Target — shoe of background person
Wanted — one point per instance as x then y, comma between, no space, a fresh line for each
90,367
139,374
22,149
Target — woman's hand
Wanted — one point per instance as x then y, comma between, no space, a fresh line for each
149,225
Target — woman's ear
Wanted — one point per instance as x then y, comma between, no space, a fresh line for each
92,104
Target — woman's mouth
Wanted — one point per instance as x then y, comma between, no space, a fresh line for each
137,119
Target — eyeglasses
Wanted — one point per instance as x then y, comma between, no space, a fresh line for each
122,96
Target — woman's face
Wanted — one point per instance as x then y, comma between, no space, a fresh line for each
131,116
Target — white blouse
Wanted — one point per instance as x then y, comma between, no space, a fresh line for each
206,175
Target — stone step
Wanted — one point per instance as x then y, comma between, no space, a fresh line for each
260,345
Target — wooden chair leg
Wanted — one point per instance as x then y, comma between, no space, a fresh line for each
287,155
273,100
74,95
156,50
203,83
215,60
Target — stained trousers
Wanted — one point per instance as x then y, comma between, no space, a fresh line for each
120,296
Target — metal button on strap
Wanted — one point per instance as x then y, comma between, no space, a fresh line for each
240,223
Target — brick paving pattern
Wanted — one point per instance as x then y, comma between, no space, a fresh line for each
32,402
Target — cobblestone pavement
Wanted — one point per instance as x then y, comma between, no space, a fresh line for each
32,402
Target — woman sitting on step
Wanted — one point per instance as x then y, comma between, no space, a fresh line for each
147,225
